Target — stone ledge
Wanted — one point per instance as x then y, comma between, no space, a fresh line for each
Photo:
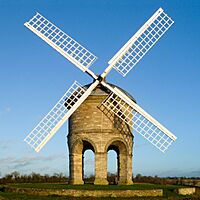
100,181
87,193
76,182
185,191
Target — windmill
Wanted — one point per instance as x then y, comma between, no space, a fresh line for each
123,61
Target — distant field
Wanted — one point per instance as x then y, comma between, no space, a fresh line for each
168,191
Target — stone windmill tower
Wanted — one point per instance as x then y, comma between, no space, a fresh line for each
94,127
101,115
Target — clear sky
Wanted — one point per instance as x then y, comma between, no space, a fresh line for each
166,83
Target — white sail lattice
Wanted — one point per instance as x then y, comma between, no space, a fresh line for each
60,41
55,118
133,51
141,122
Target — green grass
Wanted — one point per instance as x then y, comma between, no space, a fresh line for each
93,187
168,191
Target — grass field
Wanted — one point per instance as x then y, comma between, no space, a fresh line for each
94,187
168,191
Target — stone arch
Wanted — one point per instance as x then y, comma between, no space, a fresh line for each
87,145
116,142
79,145
91,144
119,146
77,150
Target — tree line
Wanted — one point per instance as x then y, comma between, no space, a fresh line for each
193,181
16,177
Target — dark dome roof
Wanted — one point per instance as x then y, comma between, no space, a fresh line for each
101,90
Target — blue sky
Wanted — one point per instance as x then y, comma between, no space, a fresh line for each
166,83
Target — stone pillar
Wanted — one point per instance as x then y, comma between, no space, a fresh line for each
122,169
101,168
129,170
76,169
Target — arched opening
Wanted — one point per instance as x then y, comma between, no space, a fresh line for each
113,164
118,162
88,163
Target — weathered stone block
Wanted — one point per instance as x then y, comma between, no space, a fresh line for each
185,191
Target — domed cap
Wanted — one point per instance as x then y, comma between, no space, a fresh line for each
101,90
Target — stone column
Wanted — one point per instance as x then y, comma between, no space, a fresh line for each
122,169
76,169
101,168
129,169
125,169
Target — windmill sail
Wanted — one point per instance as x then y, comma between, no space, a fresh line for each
117,102
138,119
60,41
65,107
133,51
